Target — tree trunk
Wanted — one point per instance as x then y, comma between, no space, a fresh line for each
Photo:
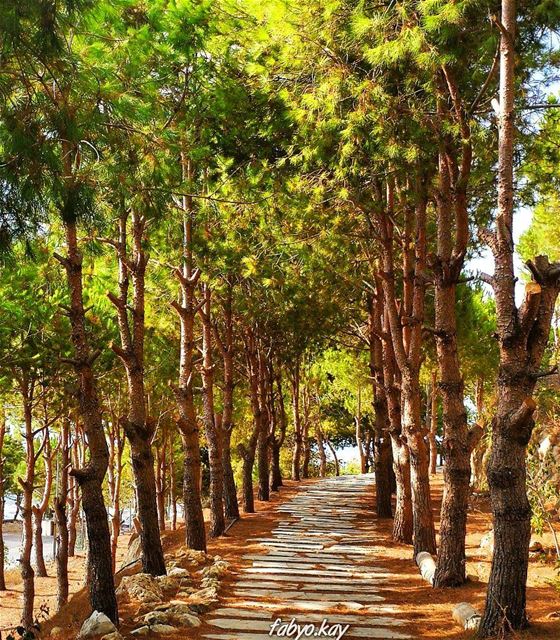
405,328
333,451
114,477
247,452
75,499
2,549
296,457
90,477
60,517
139,430
305,434
321,447
402,522
433,423
278,440
40,509
263,466
161,479
213,431
187,422
383,457
522,335
231,506
27,573
478,455
172,486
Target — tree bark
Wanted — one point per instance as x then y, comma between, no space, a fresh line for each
187,422
138,428
278,440
432,423
90,477
213,431
172,485
2,549
40,509
296,456
263,449
231,505
247,452
383,458
452,241
27,388
405,329
114,477
161,479
522,336
335,457
321,447
75,498
60,517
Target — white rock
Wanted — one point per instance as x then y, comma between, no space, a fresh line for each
98,624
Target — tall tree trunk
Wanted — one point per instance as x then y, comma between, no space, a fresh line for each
296,457
360,444
264,433
383,457
60,517
321,447
90,477
247,452
402,522
478,456
433,423
114,477
2,498
225,343
452,241
40,509
161,480
405,326
139,430
187,422
172,485
278,440
305,433
213,431
75,498
27,388
522,336
335,457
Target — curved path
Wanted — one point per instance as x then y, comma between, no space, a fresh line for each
317,565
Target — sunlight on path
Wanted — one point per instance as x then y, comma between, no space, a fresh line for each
319,565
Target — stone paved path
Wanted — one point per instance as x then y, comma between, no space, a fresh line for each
318,564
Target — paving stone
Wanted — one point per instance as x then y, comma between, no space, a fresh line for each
319,562
287,596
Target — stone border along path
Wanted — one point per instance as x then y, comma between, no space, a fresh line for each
319,565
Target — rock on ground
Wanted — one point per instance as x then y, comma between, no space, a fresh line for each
98,624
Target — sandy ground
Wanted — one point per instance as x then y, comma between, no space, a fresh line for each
427,610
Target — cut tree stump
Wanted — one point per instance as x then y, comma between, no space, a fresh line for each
427,566
466,616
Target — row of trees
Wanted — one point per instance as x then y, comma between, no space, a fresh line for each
226,207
